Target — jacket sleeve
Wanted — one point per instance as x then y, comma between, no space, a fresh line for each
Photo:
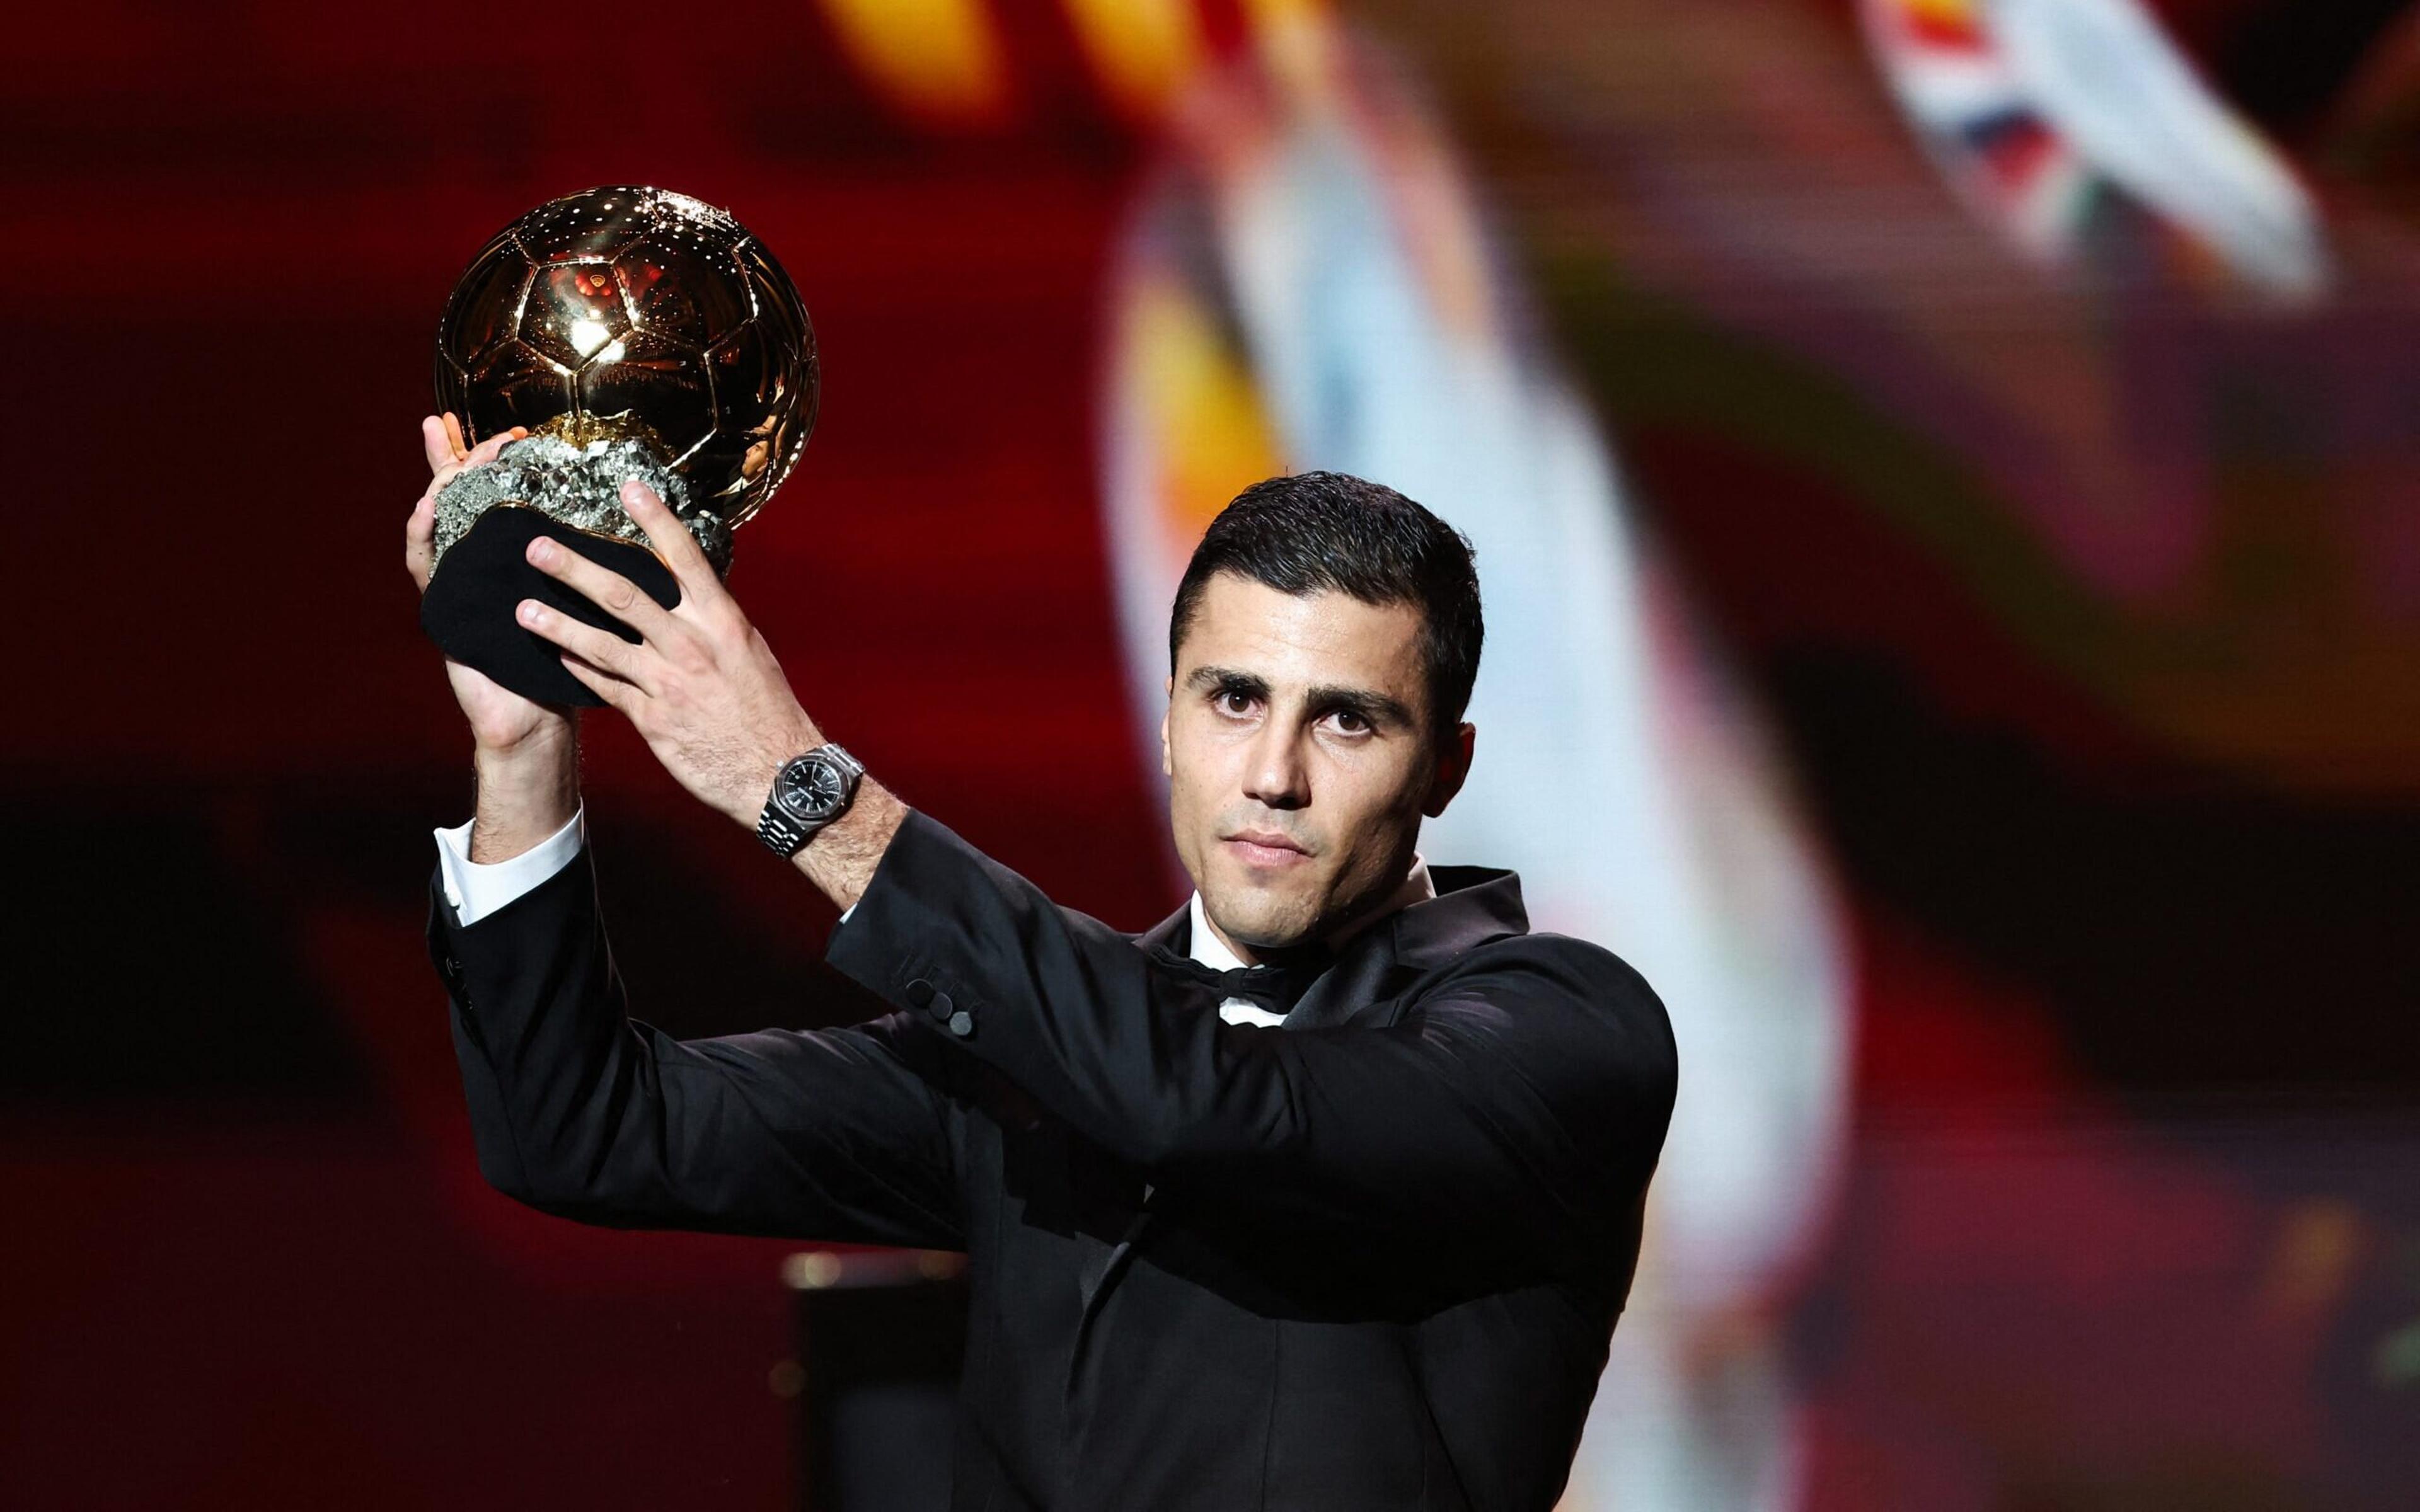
1524,1093
581,1111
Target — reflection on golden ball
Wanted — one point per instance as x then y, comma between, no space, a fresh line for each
634,313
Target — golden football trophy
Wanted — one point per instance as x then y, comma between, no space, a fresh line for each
636,334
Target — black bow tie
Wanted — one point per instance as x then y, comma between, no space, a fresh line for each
1276,986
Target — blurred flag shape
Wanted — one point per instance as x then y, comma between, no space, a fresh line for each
2077,129
1304,282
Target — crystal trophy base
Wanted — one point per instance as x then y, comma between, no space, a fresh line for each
564,482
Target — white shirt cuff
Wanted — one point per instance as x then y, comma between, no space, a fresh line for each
477,889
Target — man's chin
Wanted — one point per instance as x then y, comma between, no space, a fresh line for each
1248,921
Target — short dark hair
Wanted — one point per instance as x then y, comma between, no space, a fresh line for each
1313,531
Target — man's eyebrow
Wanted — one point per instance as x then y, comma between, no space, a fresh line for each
1374,707
1206,677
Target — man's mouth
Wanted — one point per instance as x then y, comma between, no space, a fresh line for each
1265,847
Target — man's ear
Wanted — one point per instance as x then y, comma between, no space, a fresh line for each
1452,765
1167,765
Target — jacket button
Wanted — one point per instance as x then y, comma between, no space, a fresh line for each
962,1024
941,1007
920,991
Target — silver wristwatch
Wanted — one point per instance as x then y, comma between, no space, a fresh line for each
808,791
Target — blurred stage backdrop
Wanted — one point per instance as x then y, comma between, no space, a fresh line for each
1944,475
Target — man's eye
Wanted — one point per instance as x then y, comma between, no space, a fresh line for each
1353,724
1229,698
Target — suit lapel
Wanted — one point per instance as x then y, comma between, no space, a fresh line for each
1174,932
1473,904
1359,985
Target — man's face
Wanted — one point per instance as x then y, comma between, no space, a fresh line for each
1298,760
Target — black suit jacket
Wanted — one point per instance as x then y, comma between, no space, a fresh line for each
1383,1248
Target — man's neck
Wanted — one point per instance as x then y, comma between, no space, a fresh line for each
1214,950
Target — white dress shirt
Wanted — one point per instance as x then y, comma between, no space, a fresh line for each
477,889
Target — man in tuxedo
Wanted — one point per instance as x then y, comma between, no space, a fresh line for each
1322,1192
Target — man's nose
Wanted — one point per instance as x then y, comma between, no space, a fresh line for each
1276,773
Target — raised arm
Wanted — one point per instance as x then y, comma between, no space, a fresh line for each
577,1110
1524,1094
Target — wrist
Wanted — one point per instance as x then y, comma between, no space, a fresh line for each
541,744
842,858
524,793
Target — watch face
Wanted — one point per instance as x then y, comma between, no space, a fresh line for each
813,788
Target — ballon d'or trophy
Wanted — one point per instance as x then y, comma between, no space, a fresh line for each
637,334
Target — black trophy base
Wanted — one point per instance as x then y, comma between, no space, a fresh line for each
468,609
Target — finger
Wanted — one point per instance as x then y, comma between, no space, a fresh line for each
454,434
605,588
601,649
615,691
486,451
483,453
420,526
673,542
419,537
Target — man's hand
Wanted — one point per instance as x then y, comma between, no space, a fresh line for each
701,688
501,719
525,755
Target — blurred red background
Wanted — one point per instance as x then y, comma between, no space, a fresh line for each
2164,993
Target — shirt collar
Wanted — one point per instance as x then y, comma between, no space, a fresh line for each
1209,950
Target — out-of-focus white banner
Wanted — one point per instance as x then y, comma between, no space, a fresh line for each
1307,283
